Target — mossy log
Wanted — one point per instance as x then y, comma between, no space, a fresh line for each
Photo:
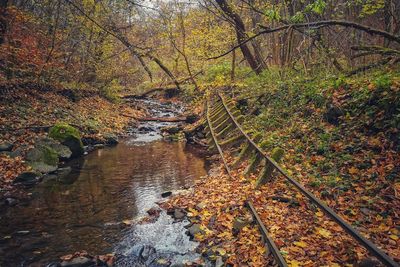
216,111
210,140
223,124
217,114
266,173
255,160
220,119
232,141
225,131
236,115
246,150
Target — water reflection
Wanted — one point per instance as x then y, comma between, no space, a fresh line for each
109,185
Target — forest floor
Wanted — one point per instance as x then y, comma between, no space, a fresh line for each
349,159
27,113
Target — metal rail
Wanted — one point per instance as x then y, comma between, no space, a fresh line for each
382,256
215,140
270,243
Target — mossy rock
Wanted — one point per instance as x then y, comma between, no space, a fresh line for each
68,136
43,159
64,153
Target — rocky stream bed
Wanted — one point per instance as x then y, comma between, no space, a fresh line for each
104,203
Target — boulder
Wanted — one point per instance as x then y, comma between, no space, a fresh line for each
11,201
192,118
111,139
195,229
6,146
27,178
179,214
136,250
171,129
43,159
19,152
147,252
166,194
68,136
63,152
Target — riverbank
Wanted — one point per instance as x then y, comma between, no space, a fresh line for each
63,216
26,114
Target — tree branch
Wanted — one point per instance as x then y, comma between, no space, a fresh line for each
317,24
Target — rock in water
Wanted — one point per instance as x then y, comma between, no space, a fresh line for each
171,129
111,139
27,178
11,201
166,194
68,136
6,147
179,214
147,252
62,173
63,152
192,118
43,159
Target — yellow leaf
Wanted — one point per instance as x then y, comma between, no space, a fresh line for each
221,251
192,213
353,170
319,214
394,237
294,263
301,244
323,232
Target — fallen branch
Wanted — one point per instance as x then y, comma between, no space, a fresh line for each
370,66
371,50
166,119
160,119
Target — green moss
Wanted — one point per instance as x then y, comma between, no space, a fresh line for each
43,159
62,131
68,136
50,156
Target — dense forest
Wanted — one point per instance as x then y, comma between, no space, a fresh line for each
315,83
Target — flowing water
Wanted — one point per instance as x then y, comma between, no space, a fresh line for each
86,210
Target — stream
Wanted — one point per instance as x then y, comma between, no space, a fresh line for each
88,209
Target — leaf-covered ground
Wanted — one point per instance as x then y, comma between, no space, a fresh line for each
351,163
304,235
350,159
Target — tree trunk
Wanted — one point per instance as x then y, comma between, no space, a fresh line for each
3,19
240,35
165,69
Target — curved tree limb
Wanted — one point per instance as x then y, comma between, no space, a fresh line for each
318,24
